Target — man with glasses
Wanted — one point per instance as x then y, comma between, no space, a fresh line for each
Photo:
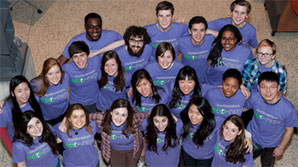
273,120
264,61
94,37
136,52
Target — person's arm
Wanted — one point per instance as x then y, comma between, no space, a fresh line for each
212,32
111,46
245,91
62,60
21,164
279,150
5,138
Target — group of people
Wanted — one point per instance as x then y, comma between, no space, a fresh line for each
166,94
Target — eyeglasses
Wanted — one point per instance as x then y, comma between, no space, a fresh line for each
269,87
227,39
140,41
266,55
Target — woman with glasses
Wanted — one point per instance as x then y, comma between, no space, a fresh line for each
227,52
264,61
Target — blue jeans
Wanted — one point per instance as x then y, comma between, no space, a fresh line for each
267,159
190,161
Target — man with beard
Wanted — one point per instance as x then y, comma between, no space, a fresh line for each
136,52
94,37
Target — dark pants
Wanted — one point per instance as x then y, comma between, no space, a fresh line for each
190,161
267,159
57,120
125,157
91,108
247,116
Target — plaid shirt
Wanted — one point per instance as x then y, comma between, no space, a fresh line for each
251,73
105,142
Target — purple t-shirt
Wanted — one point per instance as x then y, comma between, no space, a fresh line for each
270,120
83,82
107,37
108,94
79,149
235,58
39,154
180,106
54,103
248,31
201,152
168,158
160,76
119,141
148,102
133,63
6,119
220,149
223,106
172,35
196,56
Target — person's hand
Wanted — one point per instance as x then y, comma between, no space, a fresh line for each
278,151
62,126
129,92
248,145
1,105
245,91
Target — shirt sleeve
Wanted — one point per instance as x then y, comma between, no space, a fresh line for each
18,153
253,42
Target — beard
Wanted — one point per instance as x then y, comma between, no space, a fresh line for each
138,53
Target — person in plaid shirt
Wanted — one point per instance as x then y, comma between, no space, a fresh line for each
264,61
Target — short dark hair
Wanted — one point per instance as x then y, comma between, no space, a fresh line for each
93,15
233,73
268,76
241,3
136,32
78,47
197,20
164,5
162,48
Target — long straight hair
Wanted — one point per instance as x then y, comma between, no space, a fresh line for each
184,72
43,84
119,81
207,125
135,79
236,150
107,123
22,135
171,139
15,108
69,112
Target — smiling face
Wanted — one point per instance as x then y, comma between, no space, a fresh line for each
160,122
22,93
144,87
194,115
119,116
54,75
230,131
239,14
78,119
228,40
269,91
136,46
164,19
93,29
166,60
265,56
230,86
186,86
111,67
197,32
34,128
80,60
